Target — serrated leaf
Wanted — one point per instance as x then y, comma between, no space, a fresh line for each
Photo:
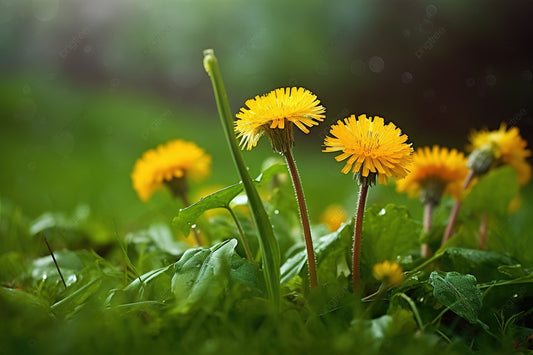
459,293
493,192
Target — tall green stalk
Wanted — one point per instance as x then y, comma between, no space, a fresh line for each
269,245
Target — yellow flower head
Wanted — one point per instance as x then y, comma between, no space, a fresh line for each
508,148
433,169
174,160
370,147
333,217
274,114
390,273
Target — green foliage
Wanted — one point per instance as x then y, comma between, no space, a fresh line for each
459,293
493,192
388,234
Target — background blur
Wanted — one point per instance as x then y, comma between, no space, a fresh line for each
87,86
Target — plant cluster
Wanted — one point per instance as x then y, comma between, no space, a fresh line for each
251,273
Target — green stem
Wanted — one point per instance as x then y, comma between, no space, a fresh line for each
296,182
357,235
413,308
243,238
269,245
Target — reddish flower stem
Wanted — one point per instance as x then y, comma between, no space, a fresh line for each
303,216
428,216
483,229
455,210
357,235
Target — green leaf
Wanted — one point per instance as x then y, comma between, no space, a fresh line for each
71,302
482,264
152,248
220,199
493,192
332,252
459,293
388,233
151,286
187,217
202,276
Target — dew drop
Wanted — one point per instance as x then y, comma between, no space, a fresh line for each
382,212
193,226
376,64
407,78
515,295
490,80
276,211
431,10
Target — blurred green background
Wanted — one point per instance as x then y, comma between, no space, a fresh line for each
87,86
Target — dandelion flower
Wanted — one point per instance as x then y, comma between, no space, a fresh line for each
390,273
370,147
274,114
333,217
373,149
435,171
169,164
507,148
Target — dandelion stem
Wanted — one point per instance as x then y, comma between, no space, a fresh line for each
268,243
55,261
483,229
357,235
428,216
296,182
455,211
243,239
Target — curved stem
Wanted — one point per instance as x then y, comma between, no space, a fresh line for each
428,216
243,239
357,235
303,216
455,211
270,254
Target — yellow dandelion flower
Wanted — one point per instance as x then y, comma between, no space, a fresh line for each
390,273
177,159
333,217
435,171
274,114
370,147
508,148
